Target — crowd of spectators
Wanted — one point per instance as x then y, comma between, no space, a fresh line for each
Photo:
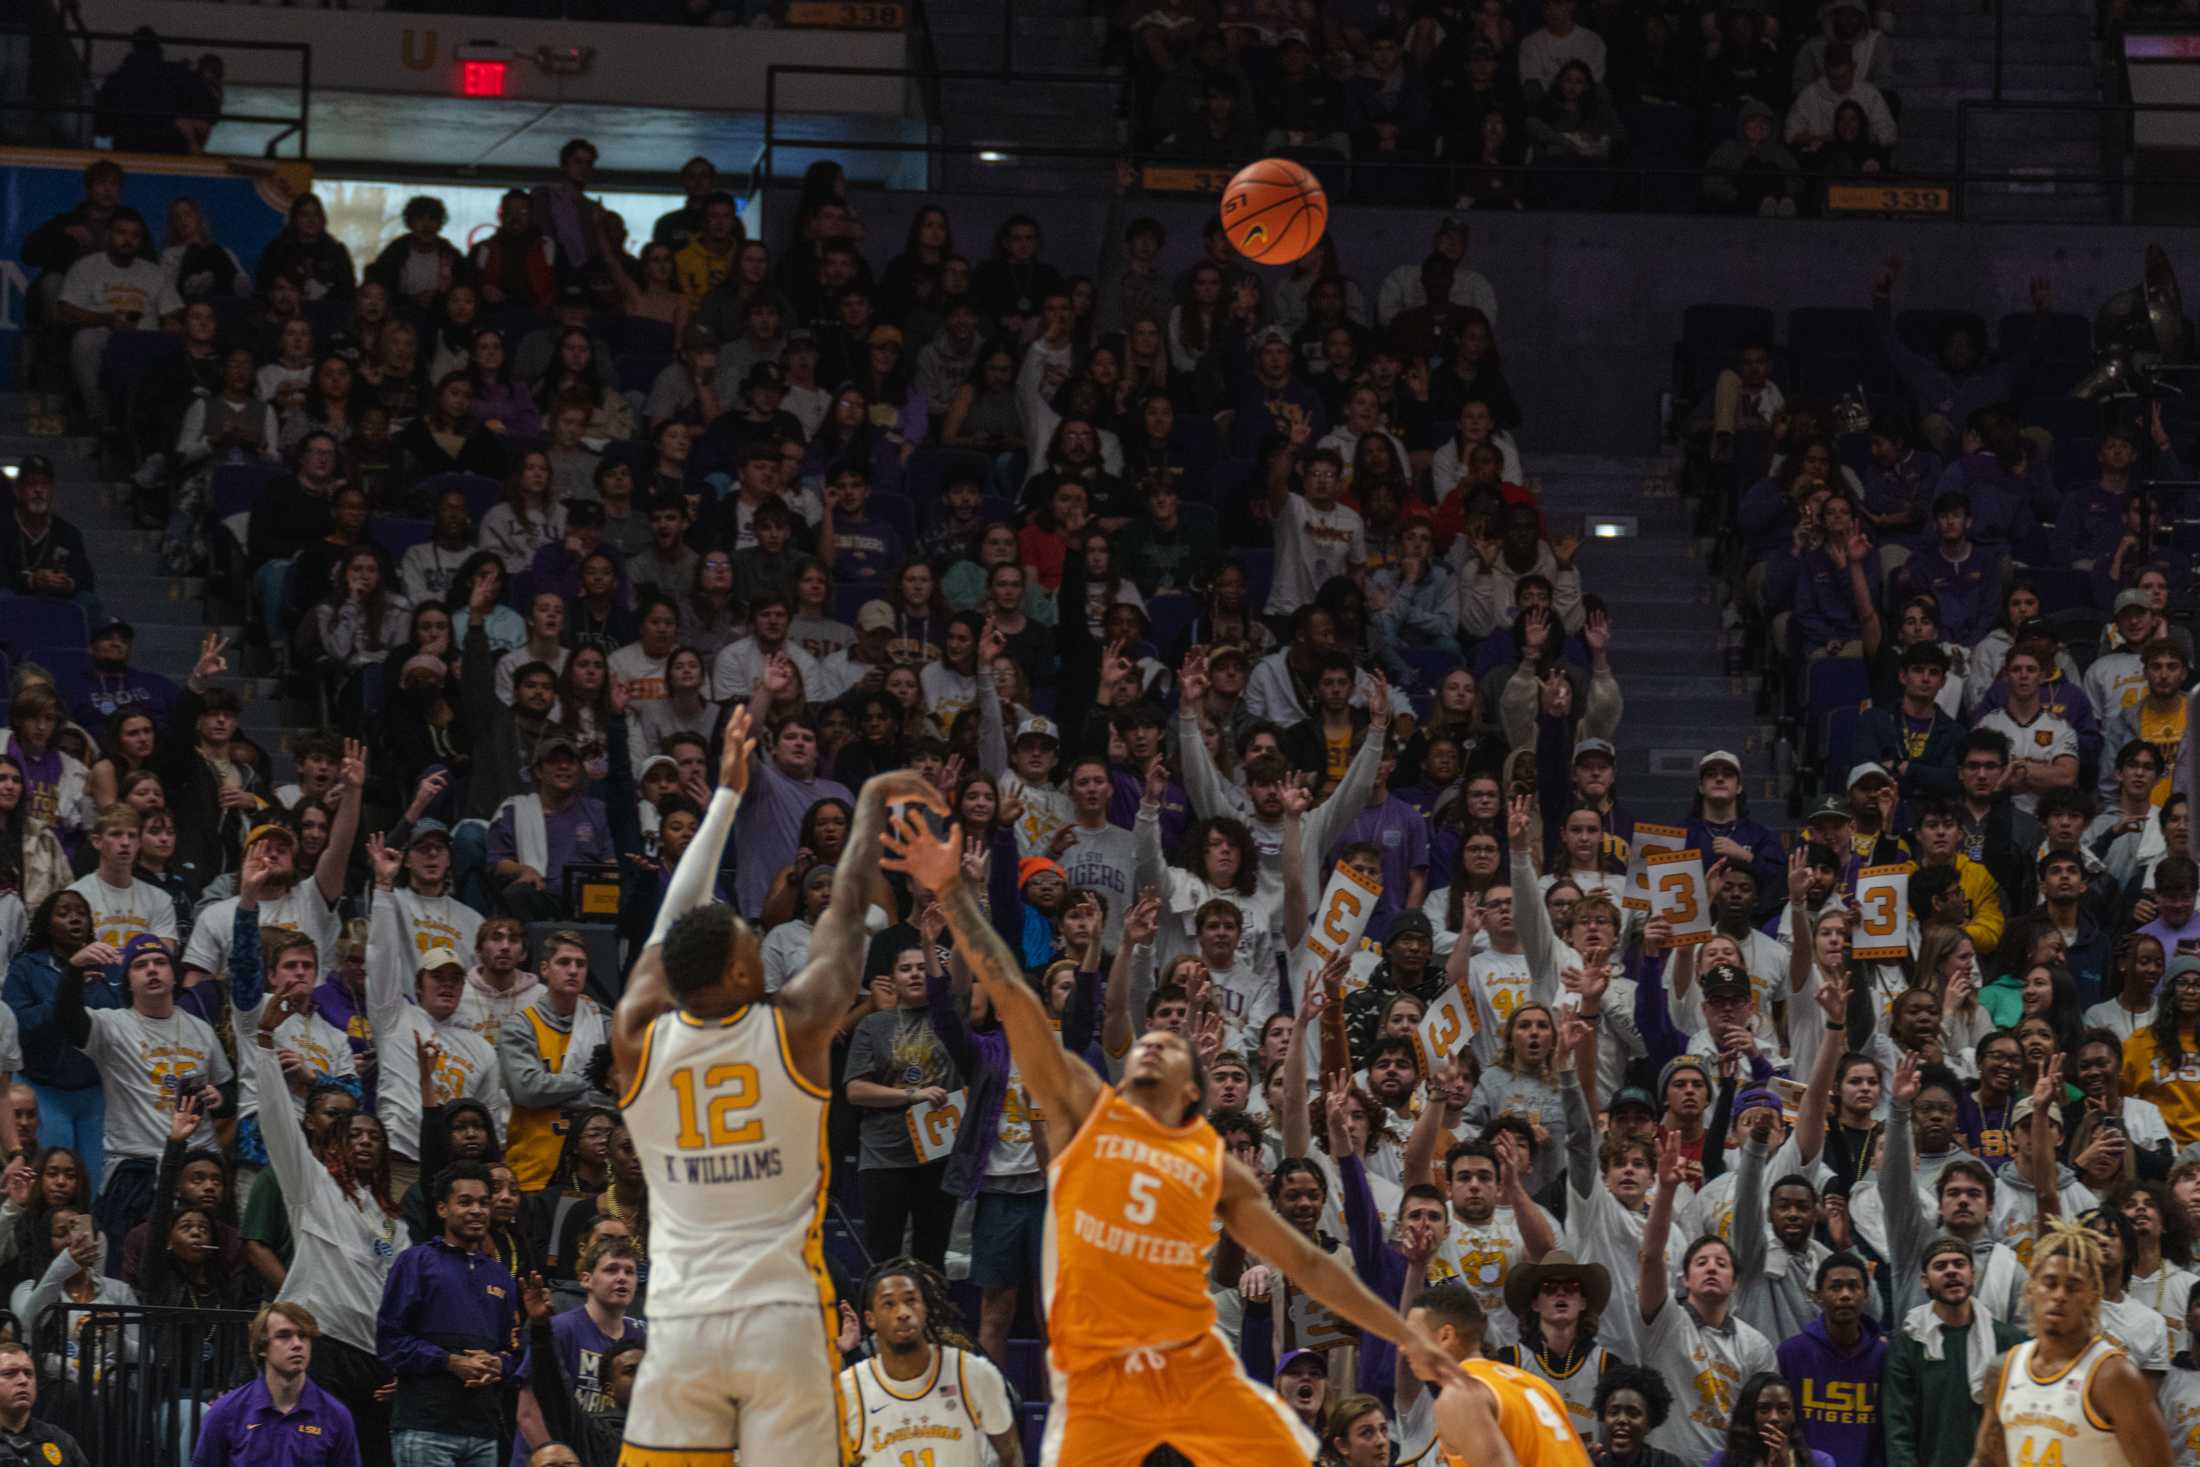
1739,107
1186,586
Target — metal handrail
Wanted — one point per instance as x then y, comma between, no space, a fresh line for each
300,124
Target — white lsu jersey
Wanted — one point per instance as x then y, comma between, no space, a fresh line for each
941,1419
732,1142
2051,1423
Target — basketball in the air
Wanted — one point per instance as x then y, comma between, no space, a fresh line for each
1274,211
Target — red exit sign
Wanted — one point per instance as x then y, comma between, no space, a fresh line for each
481,78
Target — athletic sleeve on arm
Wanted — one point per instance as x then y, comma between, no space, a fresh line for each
697,874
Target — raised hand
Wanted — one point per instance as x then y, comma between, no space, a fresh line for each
353,769
16,1181
1157,780
383,858
1191,677
619,695
1378,698
1143,919
184,1123
258,875
1672,1159
431,789
733,758
1833,996
1297,798
931,922
1597,632
428,1057
534,1297
1535,630
1519,819
992,643
1903,1088
933,862
1337,1103
1799,875
211,663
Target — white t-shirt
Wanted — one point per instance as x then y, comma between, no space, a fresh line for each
1311,546
299,909
121,913
143,1065
97,283
2045,737
1482,1256
1704,1368
1498,983
436,921
512,661
2138,1331
786,949
741,662
644,674
320,1044
469,1070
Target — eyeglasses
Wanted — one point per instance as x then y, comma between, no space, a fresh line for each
1561,1287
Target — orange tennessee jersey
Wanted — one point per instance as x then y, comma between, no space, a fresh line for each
1530,1414
1130,1225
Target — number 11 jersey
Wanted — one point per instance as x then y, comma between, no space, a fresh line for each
732,1143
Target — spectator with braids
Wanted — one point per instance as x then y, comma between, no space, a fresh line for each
1764,1430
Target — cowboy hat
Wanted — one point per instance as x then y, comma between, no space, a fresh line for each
1525,1283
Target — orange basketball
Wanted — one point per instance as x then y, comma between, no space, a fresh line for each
1274,211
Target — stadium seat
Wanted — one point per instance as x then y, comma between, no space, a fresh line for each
1260,573
33,621
1921,330
131,357
396,536
2061,590
1818,330
1167,619
237,486
897,511
637,373
1711,334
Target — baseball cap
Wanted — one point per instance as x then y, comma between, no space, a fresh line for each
581,513
2133,599
1757,1097
267,829
554,746
1038,727
1716,756
1828,807
765,374
1451,224
876,616
114,626
1293,1357
2024,1111
426,662
428,830
1272,335
886,336
138,946
1868,770
1633,1095
1595,746
800,339
1724,980
442,955
1228,651
34,465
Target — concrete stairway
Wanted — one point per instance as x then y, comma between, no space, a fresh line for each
167,611
1944,54
1668,645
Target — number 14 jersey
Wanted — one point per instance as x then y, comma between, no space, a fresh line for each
731,1140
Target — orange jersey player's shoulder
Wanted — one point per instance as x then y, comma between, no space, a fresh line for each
1532,1416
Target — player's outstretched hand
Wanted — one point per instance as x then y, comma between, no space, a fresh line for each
932,861
907,787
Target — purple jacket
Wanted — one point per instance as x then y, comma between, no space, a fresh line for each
439,1302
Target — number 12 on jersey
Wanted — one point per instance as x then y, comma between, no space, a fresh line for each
721,1091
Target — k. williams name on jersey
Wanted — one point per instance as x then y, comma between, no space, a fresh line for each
717,1168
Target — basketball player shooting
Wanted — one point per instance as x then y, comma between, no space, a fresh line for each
725,1090
1135,1185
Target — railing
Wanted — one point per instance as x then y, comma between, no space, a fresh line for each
299,124
144,1376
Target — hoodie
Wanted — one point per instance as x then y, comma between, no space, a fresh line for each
1769,169
1837,1393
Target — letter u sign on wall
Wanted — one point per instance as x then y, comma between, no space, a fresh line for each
416,49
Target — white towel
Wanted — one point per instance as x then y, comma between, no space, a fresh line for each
530,835
1923,1325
